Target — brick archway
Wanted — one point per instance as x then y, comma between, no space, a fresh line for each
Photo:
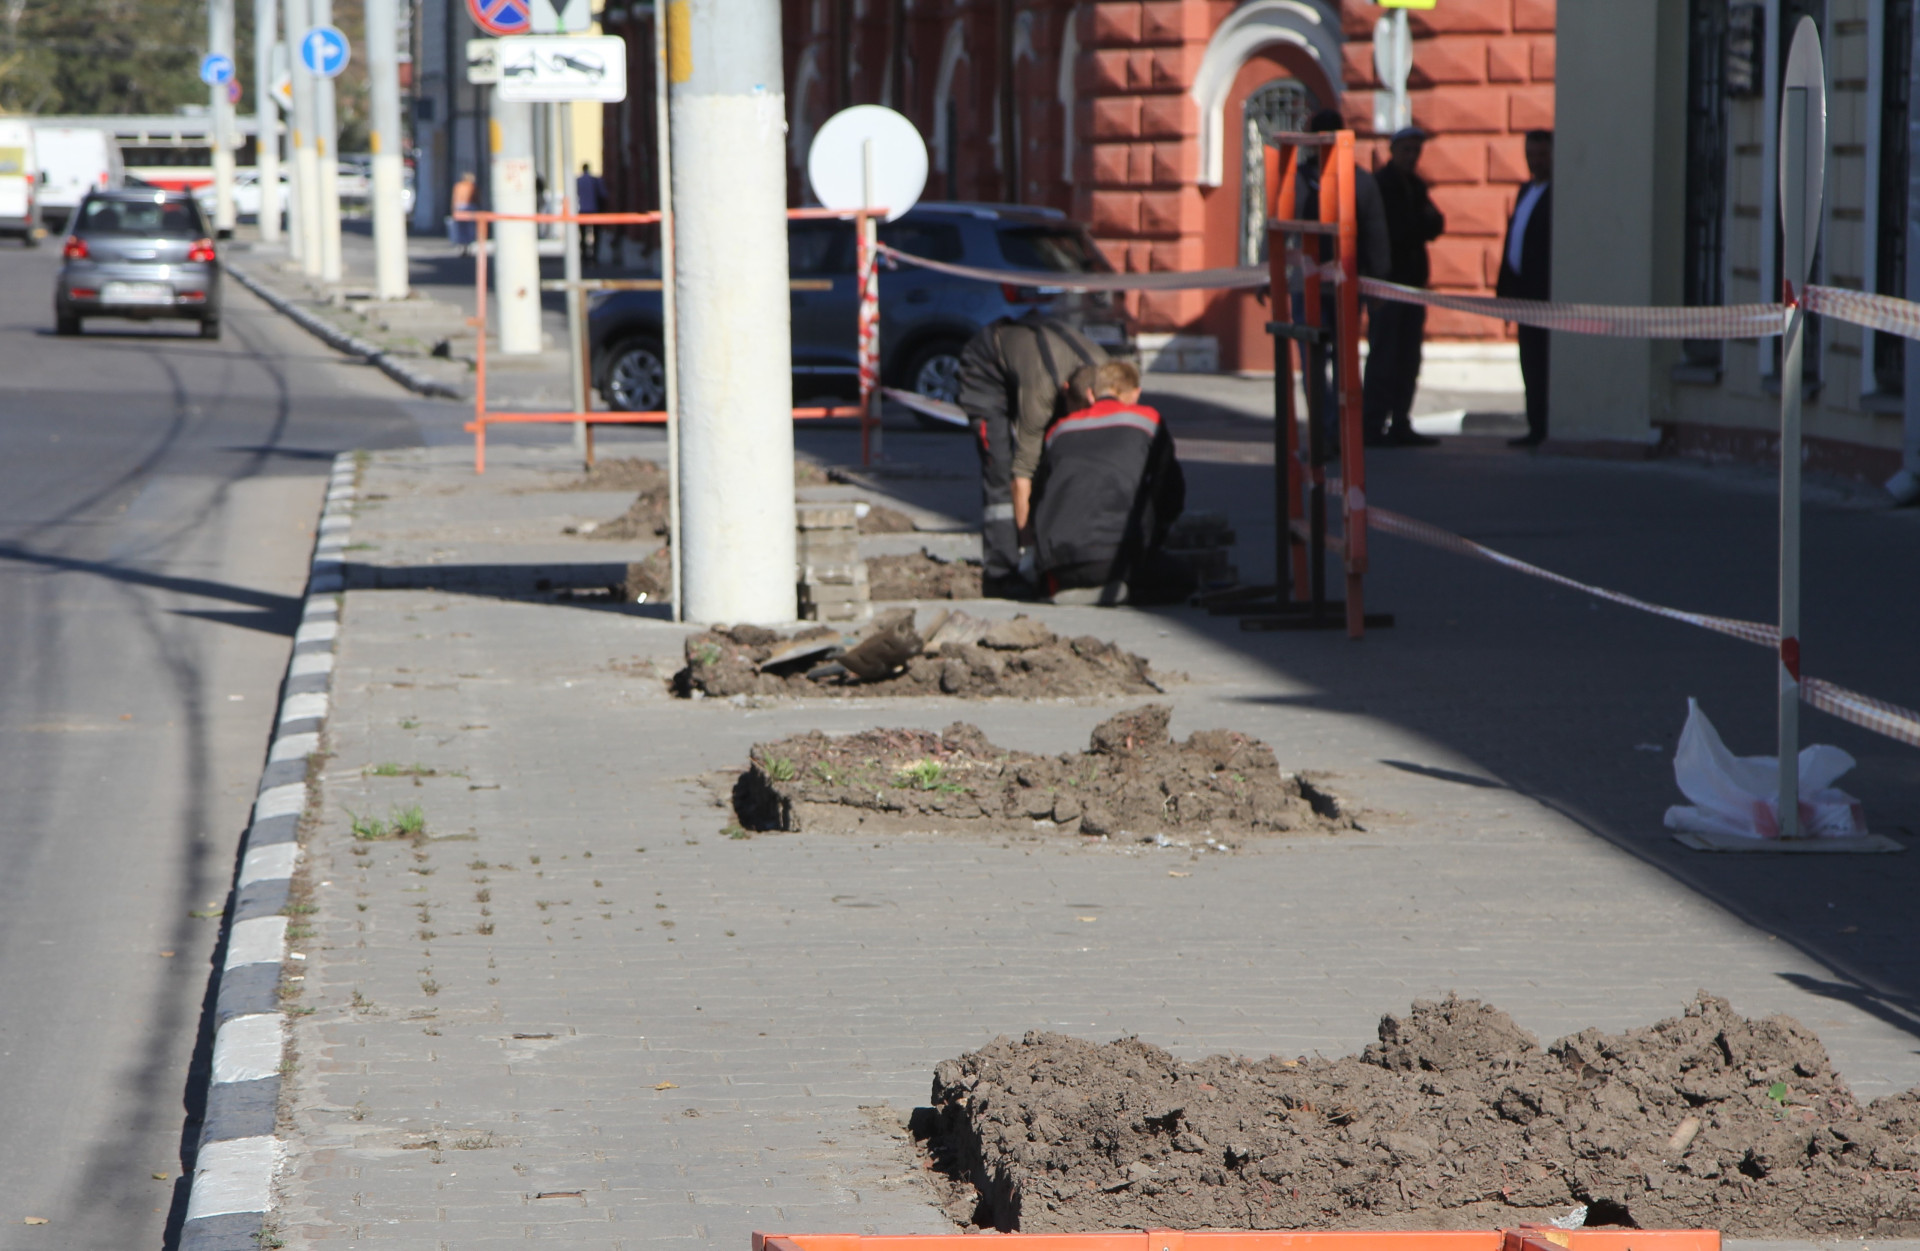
1302,35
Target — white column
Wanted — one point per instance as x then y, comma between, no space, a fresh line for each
220,39
306,165
266,143
326,145
388,142
731,319
516,248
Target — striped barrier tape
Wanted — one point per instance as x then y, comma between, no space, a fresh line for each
1890,720
1730,321
1876,312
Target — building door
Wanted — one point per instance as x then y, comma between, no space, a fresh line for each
1274,107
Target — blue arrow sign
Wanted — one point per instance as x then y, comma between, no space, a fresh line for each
216,68
324,51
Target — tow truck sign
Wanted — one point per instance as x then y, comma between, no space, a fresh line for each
547,68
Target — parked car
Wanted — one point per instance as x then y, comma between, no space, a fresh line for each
140,253
19,182
246,195
926,317
73,161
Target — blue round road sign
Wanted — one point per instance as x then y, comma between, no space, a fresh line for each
324,51
216,68
502,17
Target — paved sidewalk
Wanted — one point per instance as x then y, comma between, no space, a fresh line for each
577,1012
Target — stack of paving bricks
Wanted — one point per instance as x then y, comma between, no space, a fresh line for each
833,577
1206,541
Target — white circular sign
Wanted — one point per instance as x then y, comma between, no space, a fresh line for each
838,161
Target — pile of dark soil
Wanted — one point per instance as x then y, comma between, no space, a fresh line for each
649,581
1133,780
879,519
1456,1118
922,576
620,473
645,518
952,654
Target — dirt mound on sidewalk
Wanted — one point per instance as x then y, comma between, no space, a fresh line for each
951,654
1133,782
922,575
1456,1118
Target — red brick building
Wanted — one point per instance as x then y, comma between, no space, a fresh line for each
1139,117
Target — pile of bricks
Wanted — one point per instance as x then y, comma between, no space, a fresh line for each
833,577
1205,540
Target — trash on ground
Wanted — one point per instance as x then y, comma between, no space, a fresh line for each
1739,795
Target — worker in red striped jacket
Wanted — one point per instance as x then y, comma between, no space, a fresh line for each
1107,491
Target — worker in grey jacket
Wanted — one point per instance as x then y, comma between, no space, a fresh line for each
1012,378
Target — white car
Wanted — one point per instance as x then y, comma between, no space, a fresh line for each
246,191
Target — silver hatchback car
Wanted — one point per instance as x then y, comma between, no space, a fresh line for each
140,253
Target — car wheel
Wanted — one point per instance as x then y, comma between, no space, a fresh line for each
210,328
66,323
934,371
637,377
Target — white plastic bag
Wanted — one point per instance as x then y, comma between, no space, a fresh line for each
1739,795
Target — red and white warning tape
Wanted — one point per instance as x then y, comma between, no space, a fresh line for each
1891,720
1167,280
1730,321
1876,312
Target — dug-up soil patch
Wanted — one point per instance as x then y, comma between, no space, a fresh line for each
922,575
645,518
950,653
1134,781
1455,1118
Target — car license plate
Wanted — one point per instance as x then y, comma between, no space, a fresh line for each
136,293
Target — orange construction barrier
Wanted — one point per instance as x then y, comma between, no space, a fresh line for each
1524,1238
867,331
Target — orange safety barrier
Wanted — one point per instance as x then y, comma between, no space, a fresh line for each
867,410
1524,1238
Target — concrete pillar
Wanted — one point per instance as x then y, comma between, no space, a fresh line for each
1905,485
266,144
326,147
516,246
306,165
731,320
220,39
389,145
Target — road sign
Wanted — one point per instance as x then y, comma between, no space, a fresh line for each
868,139
282,92
1405,4
501,17
483,62
1805,72
216,68
561,17
233,91
549,68
324,51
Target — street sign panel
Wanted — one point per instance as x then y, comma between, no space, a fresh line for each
324,51
282,92
233,91
550,68
868,143
483,62
561,17
1806,71
216,68
501,17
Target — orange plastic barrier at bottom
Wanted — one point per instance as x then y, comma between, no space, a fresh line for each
1525,1238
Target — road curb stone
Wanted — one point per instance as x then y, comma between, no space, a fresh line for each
340,340
239,1153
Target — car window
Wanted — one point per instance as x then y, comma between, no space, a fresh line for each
147,219
937,241
1061,249
819,249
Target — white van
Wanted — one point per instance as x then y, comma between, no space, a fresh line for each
19,179
73,161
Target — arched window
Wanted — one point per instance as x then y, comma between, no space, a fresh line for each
1283,104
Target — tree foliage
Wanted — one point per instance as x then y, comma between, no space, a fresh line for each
101,56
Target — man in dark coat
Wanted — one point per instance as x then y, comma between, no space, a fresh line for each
1526,273
1394,329
1013,376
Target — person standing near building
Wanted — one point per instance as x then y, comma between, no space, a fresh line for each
591,195
1395,329
1013,376
1526,273
461,232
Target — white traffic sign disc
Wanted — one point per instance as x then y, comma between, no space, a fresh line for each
837,162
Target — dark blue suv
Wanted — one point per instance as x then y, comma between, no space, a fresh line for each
926,317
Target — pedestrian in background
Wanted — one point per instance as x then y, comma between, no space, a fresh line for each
1395,329
458,231
591,196
1526,273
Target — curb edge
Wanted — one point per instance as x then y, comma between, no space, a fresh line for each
336,338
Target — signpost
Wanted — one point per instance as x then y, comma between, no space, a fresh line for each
501,17
216,69
865,158
561,17
1392,62
1803,147
324,51
483,62
544,69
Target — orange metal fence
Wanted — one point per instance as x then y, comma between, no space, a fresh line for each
1524,1238
867,332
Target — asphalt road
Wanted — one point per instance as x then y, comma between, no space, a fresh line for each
157,501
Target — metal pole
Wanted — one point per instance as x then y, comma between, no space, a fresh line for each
516,247
663,149
266,142
734,327
1793,135
327,159
576,298
220,39
388,143
306,163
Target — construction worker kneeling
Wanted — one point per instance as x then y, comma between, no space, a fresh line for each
1107,491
